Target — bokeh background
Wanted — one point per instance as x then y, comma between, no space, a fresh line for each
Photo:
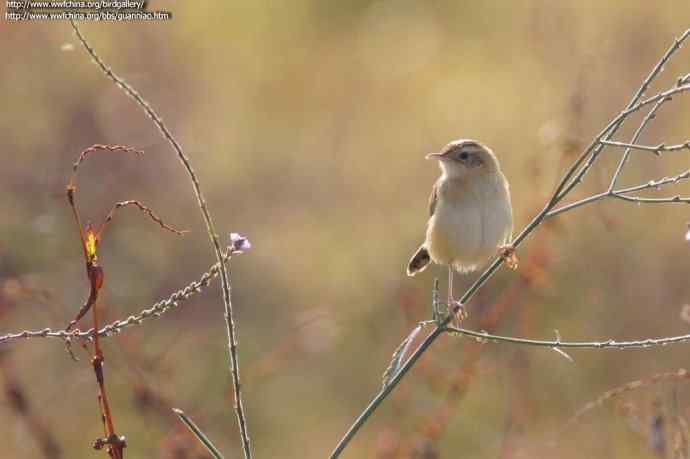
307,122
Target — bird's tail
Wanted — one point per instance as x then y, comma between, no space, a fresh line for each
419,261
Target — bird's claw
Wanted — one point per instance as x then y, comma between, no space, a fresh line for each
508,253
457,312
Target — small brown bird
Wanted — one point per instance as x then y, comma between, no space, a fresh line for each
471,216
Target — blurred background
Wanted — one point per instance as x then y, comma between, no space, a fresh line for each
307,123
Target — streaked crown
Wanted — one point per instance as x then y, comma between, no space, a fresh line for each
468,153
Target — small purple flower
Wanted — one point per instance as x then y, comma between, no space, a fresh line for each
239,243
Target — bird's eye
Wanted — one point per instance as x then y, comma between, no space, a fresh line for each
464,155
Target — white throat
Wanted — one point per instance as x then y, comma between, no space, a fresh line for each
452,170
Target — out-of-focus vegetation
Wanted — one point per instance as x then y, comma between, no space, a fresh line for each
307,122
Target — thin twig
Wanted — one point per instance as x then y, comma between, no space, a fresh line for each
654,149
387,389
198,433
100,147
632,106
639,200
656,184
591,153
142,208
156,310
213,236
638,132
607,344
609,131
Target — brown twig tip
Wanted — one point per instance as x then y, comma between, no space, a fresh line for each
142,208
101,147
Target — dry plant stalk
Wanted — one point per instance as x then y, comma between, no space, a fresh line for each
154,311
210,229
572,178
90,239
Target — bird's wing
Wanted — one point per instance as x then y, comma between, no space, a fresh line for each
433,199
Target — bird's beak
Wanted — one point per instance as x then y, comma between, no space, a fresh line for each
437,156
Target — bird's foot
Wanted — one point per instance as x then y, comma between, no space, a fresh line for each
457,312
508,253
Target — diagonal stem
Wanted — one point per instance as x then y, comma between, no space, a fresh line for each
638,132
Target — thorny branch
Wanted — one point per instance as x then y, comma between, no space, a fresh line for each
142,208
572,178
558,343
154,311
100,147
657,149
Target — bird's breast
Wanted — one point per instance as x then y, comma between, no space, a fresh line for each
468,224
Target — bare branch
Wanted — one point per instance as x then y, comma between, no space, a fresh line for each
100,147
156,310
656,184
639,200
626,154
558,344
658,149
142,208
609,131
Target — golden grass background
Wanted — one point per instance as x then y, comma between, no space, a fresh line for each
307,123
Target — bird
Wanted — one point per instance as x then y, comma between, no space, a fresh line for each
470,214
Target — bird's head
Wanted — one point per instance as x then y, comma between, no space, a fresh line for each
464,158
